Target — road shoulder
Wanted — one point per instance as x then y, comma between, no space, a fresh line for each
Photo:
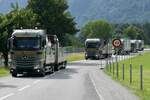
109,89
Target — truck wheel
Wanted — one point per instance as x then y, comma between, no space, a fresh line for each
52,70
14,74
42,73
64,64
56,68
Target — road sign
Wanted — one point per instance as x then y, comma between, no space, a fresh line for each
116,43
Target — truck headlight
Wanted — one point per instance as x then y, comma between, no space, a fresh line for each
86,55
37,66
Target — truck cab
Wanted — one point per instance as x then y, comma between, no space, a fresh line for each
92,47
28,51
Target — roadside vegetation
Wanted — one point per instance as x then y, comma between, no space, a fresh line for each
4,71
75,57
135,85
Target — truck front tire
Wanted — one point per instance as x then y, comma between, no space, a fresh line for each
14,74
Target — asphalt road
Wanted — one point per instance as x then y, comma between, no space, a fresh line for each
82,80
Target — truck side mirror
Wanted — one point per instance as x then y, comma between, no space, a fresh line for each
53,39
43,43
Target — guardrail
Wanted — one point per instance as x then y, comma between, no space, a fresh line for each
120,70
73,50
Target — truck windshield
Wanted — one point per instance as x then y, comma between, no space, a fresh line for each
26,43
93,45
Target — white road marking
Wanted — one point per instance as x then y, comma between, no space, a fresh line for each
25,87
4,97
37,81
97,91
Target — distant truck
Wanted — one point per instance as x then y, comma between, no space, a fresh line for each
97,48
125,47
33,52
140,45
134,46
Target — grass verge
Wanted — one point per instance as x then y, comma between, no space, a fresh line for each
75,57
4,71
135,85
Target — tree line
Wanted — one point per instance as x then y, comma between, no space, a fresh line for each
106,30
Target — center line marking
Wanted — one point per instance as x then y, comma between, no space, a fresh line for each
97,91
25,87
11,94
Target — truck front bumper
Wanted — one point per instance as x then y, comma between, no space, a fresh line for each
25,70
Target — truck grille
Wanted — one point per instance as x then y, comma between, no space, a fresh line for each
25,61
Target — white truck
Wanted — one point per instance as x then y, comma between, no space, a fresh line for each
33,52
140,45
134,46
96,48
125,47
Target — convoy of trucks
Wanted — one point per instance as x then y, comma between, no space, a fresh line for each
130,46
33,51
98,48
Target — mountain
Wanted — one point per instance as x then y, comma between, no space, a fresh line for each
116,11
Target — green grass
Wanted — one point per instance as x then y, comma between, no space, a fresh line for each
143,59
4,71
75,57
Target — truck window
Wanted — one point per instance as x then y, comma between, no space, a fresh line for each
26,43
93,45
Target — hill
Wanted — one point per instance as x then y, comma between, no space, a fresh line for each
116,11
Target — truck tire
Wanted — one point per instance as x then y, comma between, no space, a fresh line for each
52,70
56,68
14,74
42,73
64,64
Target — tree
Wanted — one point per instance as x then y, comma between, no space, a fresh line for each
97,29
15,19
53,16
134,32
146,28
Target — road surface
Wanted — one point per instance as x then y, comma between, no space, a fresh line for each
82,80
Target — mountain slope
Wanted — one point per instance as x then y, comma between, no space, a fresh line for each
116,11
111,10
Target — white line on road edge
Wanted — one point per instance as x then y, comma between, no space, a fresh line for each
97,91
35,82
2,98
25,87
